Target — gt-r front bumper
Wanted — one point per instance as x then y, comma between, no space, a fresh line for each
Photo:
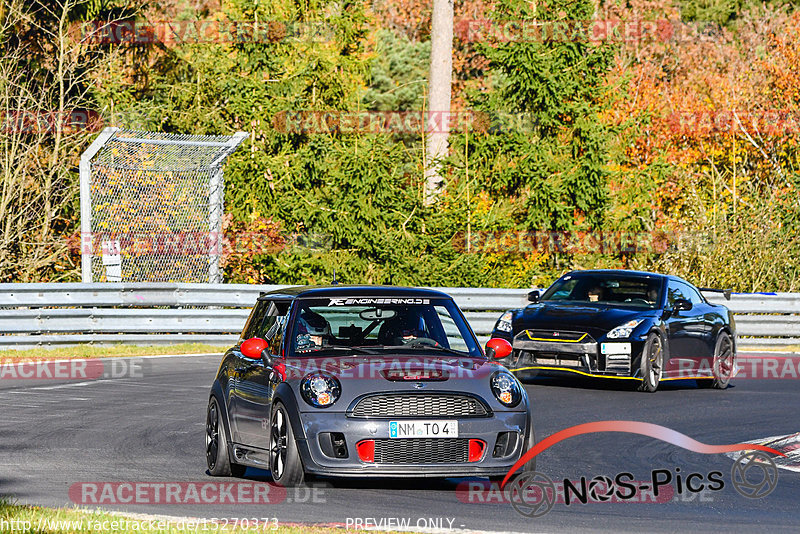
410,457
538,353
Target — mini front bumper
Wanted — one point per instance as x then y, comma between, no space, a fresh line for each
354,429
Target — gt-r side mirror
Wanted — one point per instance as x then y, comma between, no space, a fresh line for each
681,305
498,348
533,296
255,348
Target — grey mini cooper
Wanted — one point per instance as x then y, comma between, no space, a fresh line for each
363,381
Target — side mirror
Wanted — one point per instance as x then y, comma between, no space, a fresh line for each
681,305
533,296
253,348
498,348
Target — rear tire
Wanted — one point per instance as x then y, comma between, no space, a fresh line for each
284,460
724,361
652,363
217,458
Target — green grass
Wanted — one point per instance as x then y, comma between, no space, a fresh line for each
34,519
95,351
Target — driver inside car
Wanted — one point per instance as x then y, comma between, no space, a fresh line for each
595,293
313,331
402,329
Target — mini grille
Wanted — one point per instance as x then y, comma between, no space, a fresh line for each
421,451
419,406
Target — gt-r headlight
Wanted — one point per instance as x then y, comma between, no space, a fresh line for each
624,330
320,390
504,323
506,388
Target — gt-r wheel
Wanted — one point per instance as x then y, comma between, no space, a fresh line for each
652,363
724,361
217,459
284,460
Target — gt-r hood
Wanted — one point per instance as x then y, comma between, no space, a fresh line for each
597,320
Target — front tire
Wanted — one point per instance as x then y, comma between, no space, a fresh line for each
217,458
652,364
284,460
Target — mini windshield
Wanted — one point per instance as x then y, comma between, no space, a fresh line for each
373,325
609,289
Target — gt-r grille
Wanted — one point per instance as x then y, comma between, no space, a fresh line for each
405,405
557,336
421,451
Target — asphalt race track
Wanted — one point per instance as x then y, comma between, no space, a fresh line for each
55,434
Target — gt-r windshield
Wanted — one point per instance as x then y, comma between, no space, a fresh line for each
370,325
609,289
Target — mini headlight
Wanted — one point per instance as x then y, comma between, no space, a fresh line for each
506,388
624,330
320,390
504,323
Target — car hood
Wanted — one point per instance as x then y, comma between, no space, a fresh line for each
394,373
597,320
393,367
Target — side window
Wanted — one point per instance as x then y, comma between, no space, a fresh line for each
675,291
280,312
267,322
255,319
693,295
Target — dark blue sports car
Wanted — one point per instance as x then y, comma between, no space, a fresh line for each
629,325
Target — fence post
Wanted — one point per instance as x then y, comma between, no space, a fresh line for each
86,200
216,207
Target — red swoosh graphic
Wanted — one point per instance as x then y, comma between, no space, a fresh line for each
634,427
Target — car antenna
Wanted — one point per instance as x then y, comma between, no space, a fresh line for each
334,282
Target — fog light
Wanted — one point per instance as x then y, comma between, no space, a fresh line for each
366,450
476,448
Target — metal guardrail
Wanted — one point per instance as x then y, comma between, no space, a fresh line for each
34,315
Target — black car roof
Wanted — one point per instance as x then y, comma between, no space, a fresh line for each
352,291
625,272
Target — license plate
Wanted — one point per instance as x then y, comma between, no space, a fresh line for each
615,348
423,429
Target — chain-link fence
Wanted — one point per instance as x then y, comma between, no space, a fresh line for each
152,205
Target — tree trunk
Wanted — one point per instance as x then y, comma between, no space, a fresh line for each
437,127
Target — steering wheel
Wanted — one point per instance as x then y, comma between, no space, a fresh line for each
422,341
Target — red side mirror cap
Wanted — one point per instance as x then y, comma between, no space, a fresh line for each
498,348
253,347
